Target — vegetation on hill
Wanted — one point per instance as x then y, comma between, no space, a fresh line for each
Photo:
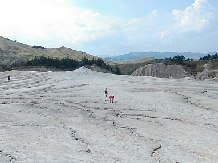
66,63
191,66
13,51
127,68
158,55
14,54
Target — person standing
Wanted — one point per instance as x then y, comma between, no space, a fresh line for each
111,97
105,93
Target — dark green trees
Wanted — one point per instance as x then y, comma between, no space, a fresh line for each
69,64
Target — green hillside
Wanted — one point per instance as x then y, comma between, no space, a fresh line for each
14,55
12,51
127,68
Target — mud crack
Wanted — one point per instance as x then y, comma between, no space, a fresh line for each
7,156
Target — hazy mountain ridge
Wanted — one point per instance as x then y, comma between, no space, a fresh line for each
157,55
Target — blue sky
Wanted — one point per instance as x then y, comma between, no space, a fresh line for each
113,27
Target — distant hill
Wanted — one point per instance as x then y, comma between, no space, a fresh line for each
13,51
127,68
157,55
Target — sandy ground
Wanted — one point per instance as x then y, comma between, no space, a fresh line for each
62,117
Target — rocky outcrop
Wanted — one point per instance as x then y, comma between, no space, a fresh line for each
207,74
160,70
97,68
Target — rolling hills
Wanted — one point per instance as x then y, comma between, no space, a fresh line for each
13,51
157,55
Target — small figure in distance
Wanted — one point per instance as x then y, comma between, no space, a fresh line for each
111,97
105,93
9,78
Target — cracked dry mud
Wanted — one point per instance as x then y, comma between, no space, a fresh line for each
62,117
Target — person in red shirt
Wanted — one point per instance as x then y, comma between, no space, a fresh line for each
111,97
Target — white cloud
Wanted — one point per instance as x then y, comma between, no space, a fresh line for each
56,23
194,17
53,23
138,30
165,36
51,19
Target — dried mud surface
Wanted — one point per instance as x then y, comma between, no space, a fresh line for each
63,117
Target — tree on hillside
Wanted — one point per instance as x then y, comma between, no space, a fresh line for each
176,59
209,57
67,63
84,61
179,58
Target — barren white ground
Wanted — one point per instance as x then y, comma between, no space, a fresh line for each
62,117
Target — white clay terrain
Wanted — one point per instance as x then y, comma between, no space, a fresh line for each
62,117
